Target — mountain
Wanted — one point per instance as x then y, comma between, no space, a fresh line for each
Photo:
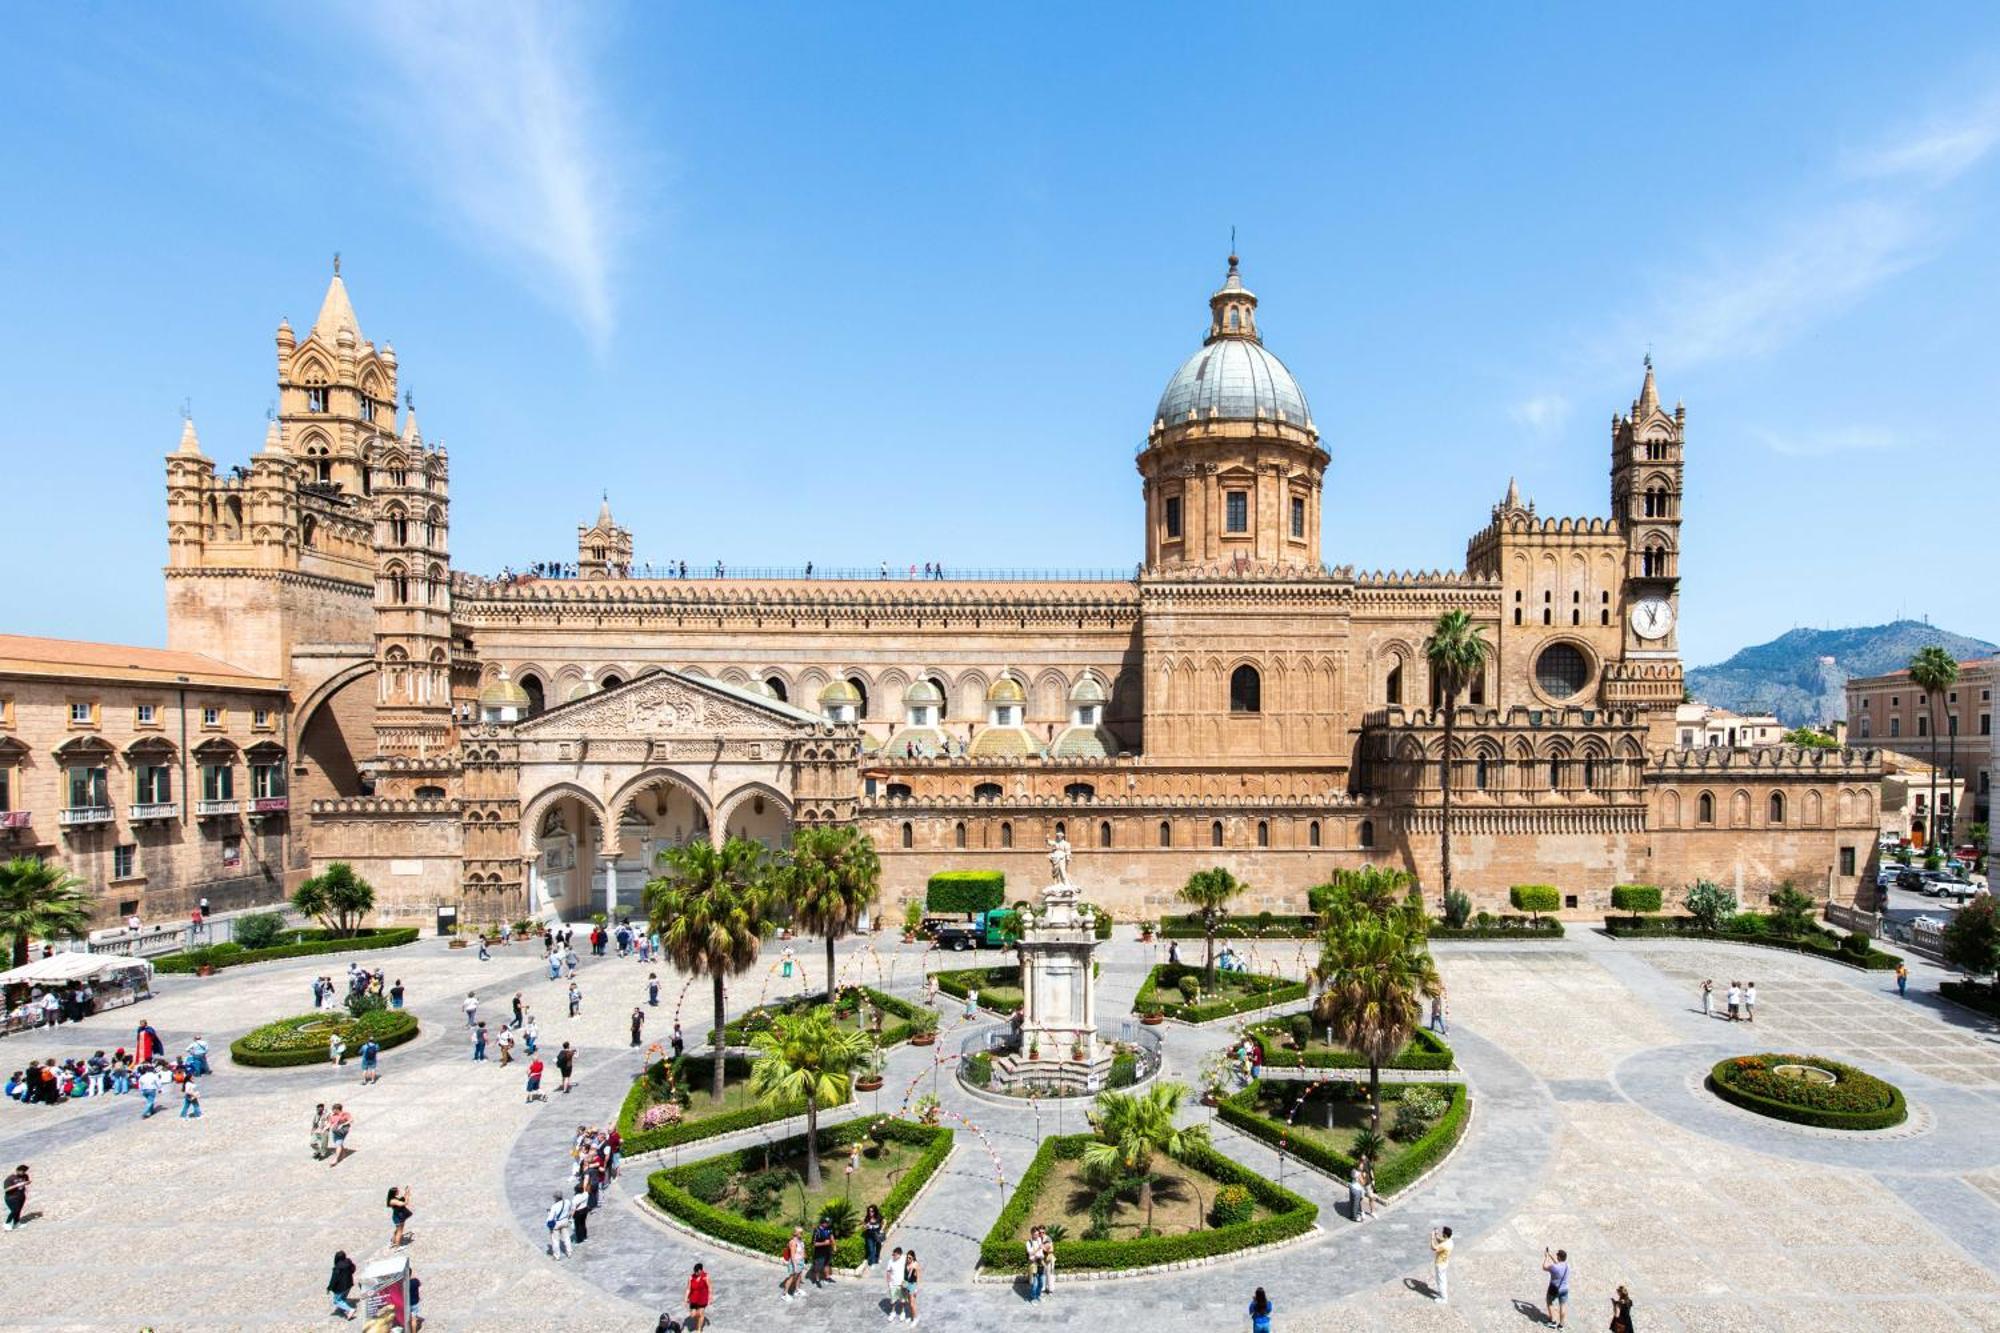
1802,674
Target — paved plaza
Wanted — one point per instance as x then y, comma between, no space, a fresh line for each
1590,1132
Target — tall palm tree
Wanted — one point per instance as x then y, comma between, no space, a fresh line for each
1208,892
711,907
1374,974
805,1056
833,876
40,900
1364,891
1457,656
1933,670
1130,1128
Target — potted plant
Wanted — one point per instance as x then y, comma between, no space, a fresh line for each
1076,1051
1145,932
1034,1048
1213,1073
457,937
870,1077
926,1024
1154,1016
928,1109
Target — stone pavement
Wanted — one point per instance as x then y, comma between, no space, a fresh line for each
1589,1131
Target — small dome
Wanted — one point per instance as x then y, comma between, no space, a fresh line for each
923,692
1087,691
503,693
1006,690
1233,379
763,687
839,692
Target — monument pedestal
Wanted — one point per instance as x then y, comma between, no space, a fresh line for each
1059,1046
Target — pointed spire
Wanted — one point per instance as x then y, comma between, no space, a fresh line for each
1649,393
336,312
411,435
604,511
274,439
1513,500
189,444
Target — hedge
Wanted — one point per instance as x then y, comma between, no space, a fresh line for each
667,1188
1262,993
1857,1101
1975,995
285,1043
1426,1050
966,891
1635,897
1820,944
1276,927
960,983
1002,1250
1535,898
1502,928
637,1140
737,1031
309,943
1397,1173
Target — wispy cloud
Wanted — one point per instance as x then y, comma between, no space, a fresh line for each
1796,443
495,113
1544,413
1941,151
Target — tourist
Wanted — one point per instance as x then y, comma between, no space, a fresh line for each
892,1279
484,955
338,1123
638,1024
197,1057
697,1297
565,1062
1902,988
371,1054
1749,1001
148,1047
471,1007
794,1255
555,964
190,1100
679,1043
506,1047
319,1133
1708,998
336,1049
1735,1000
1441,1264
479,1042
150,1083
396,994
788,965
1557,1297
579,1213
871,1236
341,1283
575,1000
1260,1312
822,1252
558,1221
1048,1263
530,1034
1173,953
1034,1263
535,1093
517,1011
1369,1198
653,988
971,1003
400,1213
911,1273
1621,1311
17,1195
1357,1191
98,1066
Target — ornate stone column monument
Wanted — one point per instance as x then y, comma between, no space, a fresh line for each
1059,1043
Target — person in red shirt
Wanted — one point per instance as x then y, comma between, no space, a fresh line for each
697,1300
535,1093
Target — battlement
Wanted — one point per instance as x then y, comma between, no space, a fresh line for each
1848,762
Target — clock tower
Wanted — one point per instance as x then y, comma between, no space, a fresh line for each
1646,501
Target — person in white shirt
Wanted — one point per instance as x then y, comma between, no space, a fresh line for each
558,1224
1750,1001
150,1084
471,1010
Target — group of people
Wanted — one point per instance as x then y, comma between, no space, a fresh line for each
1741,999
595,1156
47,1008
1556,1285
360,981
329,1133
146,1069
1041,1262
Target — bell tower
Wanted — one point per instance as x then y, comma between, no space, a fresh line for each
335,393
410,482
1646,465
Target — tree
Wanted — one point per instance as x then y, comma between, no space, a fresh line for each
1709,903
1374,974
711,908
1457,656
40,900
1812,738
1368,891
338,897
1972,938
805,1056
1208,892
830,879
1791,911
1130,1128
1933,670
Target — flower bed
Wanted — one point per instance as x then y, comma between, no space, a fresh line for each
673,1190
1819,943
999,987
1853,1100
905,1015
1425,1051
304,1040
1241,992
692,1074
304,944
1394,1173
1285,1215
1263,926
1523,928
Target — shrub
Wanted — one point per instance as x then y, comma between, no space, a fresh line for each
1425,1051
1855,1100
1124,1070
1791,911
840,1214
1457,909
257,930
1857,944
310,943
1416,1109
913,916
1635,897
707,1181
660,1115
979,1069
1535,898
1101,926
1708,903
1301,1028
1393,1172
1247,991
1483,920
361,1002
966,890
1233,1204
303,1040
1190,988
1746,923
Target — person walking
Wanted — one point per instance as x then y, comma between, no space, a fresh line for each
871,1236
371,1056
892,1278
638,1023
1735,1000
1357,1193
579,1213
1749,1001
479,1041
1621,1311
794,1255
319,1133
1034,1263
697,1298
565,1062
1902,983
400,1212
517,1011
1048,1263
17,1194
653,989
558,1225
149,1088
530,1034
1708,998
190,1100
680,1042
338,1123
535,1093
341,1283
911,1274
1441,1264
575,1000
471,1010
396,994
822,1270
1260,1312
1556,1298
506,1047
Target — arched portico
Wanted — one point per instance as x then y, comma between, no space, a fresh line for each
759,813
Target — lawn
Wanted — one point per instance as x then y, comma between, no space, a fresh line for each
999,987
1330,1115
1181,1198
769,1186
857,1010
1424,1051
687,1083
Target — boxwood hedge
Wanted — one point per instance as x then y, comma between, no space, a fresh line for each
1396,1173
959,983
1258,992
740,1029
1856,1100
304,1040
965,891
1973,995
1635,897
1819,943
305,944
1535,898
668,1189
1501,928
1290,1215
1425,1051
696,1070
1263,926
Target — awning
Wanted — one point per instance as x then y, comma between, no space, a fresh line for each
68,968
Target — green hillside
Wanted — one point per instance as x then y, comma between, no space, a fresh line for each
1787,676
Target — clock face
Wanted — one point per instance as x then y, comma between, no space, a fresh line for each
1652,618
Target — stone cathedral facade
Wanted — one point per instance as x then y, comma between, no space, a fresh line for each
530,743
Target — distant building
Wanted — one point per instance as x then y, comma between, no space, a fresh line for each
1704,725
1889,711
1906,798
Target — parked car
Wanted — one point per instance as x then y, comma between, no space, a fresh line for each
1950,886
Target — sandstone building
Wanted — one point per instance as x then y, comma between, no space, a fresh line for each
1887,710
528,743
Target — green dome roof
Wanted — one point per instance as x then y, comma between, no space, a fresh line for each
1006,690
923,692
839,692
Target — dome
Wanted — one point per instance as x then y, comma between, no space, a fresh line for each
503,693
838,692
1087,691
923,692
1006,690
1233,379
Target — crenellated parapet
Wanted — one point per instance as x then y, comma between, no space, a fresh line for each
1848,763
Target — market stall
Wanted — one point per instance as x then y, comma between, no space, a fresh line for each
81,983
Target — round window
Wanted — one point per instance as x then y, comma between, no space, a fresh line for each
1562,670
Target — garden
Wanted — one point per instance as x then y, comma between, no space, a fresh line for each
1808,1090
1712,913
674,1102
307,1039
1328,1125
1177,990
999,987
860,1009
1296,1042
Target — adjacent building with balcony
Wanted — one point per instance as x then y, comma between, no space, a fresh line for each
1953,732
157,777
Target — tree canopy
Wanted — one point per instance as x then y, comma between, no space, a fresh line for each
39,900
337,897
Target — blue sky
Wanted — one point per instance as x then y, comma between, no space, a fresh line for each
850,284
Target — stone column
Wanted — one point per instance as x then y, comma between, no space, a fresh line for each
610,886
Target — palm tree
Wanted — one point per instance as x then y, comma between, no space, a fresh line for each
1933,670
1457,657
1364,891
710,911
338,897
1130,1128
1374,974
805,1056
40,900
1209,892
833,876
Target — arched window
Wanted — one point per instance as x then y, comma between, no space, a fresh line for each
1312,834
958,834
1653,564
860,688
1263,833
1392,688
1365,836
1558,773
399,529
1006,834
1166,834
909,835
1590,775
1079,791
1777,807
399,584
986,791
1482,775
531,685
1704,809
1246,690
430,793
944,696
1062,829
1215,834
1103,833
612,682
777,688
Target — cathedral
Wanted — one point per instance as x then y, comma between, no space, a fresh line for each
528,744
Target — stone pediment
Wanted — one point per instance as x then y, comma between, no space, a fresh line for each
670,704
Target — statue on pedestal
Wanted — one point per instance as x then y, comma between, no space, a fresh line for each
1059,854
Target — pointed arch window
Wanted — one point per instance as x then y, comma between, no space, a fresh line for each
1312,834
860,688
1392,687
1704,809
1166,834
1103,833
776,686
1482,775
1263,833
1246,690
1777,807
958,834
909,835
1006,834
1215,833
1365,835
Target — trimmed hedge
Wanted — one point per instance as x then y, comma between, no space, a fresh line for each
307,943
1260,992
1535,898
1279,926
1506,928
1002,1251
286,1042
1976,995
1398,1172
1425,1051
737,1031
966,891
1820,944
637,1140
669,1193
1857,1101
1635,897
959,983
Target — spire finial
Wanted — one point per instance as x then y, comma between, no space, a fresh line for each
409,399
336,263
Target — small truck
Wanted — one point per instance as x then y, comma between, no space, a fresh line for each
998,929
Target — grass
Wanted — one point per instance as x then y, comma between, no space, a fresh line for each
881,1165
1181,1198
859,1015
1330,1116
999,987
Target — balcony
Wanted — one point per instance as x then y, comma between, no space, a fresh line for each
140,811
80,815
13,819
217,809
270,805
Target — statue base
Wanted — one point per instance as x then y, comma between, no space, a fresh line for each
1064,1077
